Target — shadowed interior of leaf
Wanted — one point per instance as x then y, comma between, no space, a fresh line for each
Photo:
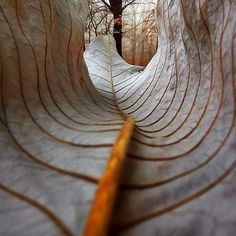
60,119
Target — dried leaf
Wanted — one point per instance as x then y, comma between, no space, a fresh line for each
59,121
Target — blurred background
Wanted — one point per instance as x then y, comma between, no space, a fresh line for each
132,23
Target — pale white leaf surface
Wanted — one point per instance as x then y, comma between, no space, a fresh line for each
60,118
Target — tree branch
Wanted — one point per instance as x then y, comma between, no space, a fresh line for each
125,6
106,4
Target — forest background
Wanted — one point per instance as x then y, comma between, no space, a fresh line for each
134,22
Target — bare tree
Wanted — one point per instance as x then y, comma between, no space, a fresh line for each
117,7
99,20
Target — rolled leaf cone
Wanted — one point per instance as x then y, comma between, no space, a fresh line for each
63,116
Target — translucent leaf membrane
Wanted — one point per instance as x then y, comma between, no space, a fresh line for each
60,121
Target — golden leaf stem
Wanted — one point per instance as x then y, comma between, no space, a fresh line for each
99,217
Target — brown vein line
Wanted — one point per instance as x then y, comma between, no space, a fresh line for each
106,104
27,108
122,113
106,49
180,106
58,222
205,109
45,61
112,65
211,125
88,92
197,194
206,106
52,16
36,65
95,101
162,69
77,175
128,91
103,90
99,77
102,86
181,175
108,100
51,167
139,130
127,85
186,200
138,88
112,111
80,112
2,119
39,93
155,84
45,69
99,217
123,71
176,76
195,98
125,80
189,133
68,69
148,97
233,71
120,63
80,95
46,76
95,62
